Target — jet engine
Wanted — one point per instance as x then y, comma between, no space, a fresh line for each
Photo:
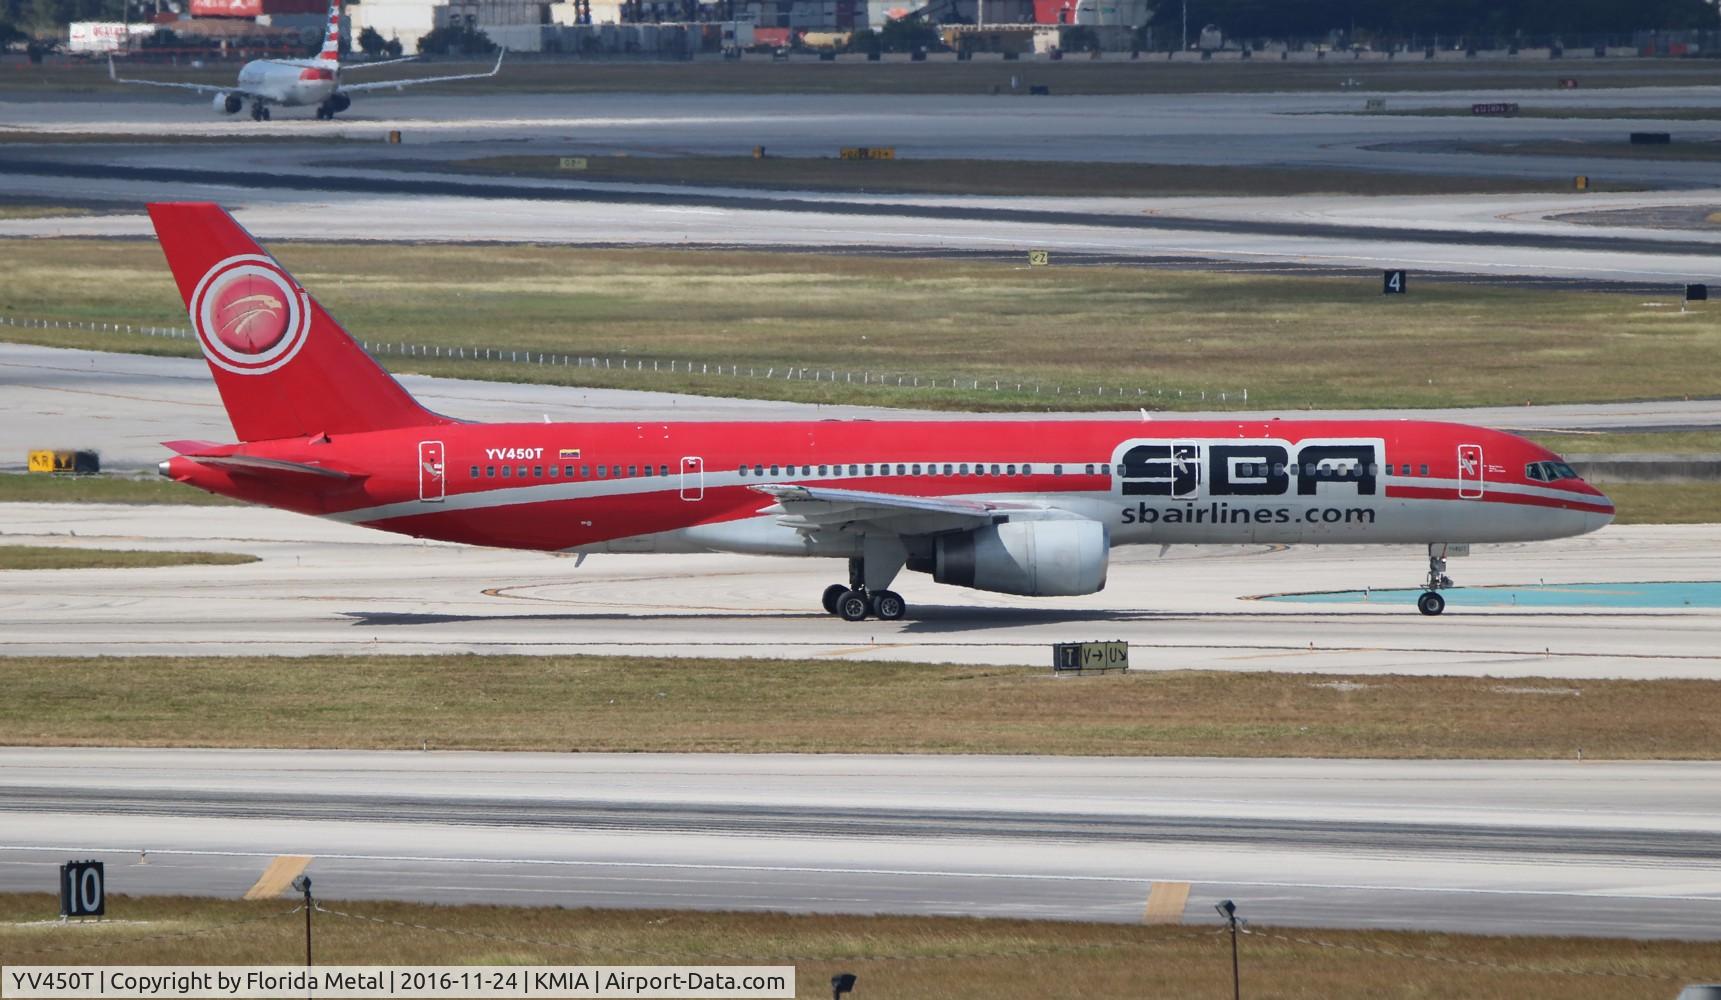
229,104
1060,558
338,103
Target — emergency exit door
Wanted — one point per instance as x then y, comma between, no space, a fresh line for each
1470,471
693,478
431,487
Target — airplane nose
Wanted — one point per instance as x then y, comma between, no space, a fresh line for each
1598,519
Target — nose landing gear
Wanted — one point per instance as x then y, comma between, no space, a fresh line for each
1430,602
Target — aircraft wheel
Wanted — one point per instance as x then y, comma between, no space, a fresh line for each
853,606
1430,603
833,593
265,114
888,605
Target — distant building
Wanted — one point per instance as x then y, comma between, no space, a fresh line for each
530,26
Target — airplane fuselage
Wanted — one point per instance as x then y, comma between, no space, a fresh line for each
289,82
676,487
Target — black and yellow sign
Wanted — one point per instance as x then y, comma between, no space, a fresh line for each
1039,258
64,460
869,152
573,163
1079,656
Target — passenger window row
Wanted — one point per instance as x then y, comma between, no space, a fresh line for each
566,471
900,469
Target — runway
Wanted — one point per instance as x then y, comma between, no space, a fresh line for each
337,181
325,587
1490,847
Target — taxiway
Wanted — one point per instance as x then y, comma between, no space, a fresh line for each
1502,847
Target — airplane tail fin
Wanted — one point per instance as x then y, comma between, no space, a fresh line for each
283,366
331,50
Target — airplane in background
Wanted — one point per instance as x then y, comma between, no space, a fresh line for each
291,83
1016,507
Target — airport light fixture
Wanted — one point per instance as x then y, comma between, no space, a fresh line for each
842,982
1228,910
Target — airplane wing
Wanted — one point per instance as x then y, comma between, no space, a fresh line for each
813,508
346,88
347,67
202,88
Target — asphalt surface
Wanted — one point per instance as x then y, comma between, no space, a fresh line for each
357,188
1553,848
1567,848
327,182
326,587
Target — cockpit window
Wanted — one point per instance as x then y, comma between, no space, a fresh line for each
1549,472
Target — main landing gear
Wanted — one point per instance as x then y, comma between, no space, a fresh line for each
325,112
1430,602
854,602
259,111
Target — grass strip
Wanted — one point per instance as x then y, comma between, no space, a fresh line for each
1620,149
1555,111
952,958
637,703
1665,503
1048,337
22,557
1705,441
38,488
991,177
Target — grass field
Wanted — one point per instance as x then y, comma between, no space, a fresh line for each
1559,111
31,210
820,706
1164,339
1687,442
1115,74
1665,503
1622,149
991,177
28,557
37,488
928,958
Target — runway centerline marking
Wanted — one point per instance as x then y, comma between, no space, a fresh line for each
279,876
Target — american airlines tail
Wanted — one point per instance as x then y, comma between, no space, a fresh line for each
331,50
283,366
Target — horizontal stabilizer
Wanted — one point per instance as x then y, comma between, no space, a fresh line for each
192,447
252,465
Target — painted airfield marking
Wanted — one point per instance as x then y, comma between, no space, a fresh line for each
1165,903
280,874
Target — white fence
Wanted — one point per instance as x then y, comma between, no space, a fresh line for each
1126,395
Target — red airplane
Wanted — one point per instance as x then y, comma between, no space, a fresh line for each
1014,507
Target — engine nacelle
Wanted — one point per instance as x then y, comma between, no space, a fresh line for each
1034,558
228,104
338,103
